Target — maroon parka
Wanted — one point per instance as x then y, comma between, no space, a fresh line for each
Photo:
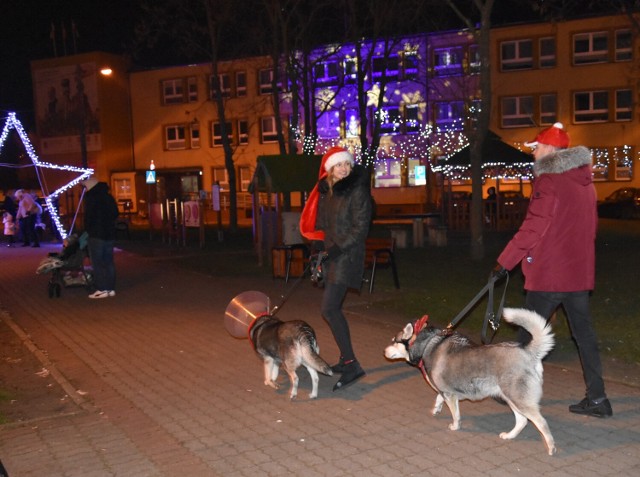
556,241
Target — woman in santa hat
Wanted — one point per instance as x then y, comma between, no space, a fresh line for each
338,215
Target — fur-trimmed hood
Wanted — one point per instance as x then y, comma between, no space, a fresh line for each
562,161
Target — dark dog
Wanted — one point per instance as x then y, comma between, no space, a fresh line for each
290,344
458,369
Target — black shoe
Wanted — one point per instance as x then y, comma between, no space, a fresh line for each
338,368
350,374
597,408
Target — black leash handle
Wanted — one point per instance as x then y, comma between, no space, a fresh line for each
490,317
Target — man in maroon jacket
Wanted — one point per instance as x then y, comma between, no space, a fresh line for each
556,248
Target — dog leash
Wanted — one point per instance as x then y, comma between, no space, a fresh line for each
491,317
287,295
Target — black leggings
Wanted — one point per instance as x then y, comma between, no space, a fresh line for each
332,300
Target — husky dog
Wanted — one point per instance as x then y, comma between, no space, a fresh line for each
290,344
458,369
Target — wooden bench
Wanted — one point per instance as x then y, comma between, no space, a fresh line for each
380,254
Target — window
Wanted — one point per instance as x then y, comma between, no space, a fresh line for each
350,70
449,115
410,65
221,177
590,48
241,83
623,45
194,130
328,124
352,123
447,61
268,129
225,86
623,105
517,111
175,137
548,109
265,79
390,120
385,66
591,107
516,55
412,118
326,73
244,175
216,133
192,89
474,60
243,131
388,173
547,52
173,91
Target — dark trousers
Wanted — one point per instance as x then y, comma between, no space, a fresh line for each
332,300
28,229
104,269
576,306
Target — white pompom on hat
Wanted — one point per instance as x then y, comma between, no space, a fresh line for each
89,183
336,155
554,136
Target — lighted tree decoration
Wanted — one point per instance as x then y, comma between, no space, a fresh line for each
84,173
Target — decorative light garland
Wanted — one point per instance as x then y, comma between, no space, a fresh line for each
13,122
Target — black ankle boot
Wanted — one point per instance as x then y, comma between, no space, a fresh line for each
338,368
352,371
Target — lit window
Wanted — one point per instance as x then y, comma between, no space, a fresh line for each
412,118
241,83
591,107
473,60
216,133
590,48
326,73
265,81
225,86
243,131
244,174
447,61
173,91
352,123
547,52
517,111
624,104
328,124
516,55
350,70
410,65
221,177
548,109
623,45
194,129
268,129
192,89
390,120
388,173
175,137
449,115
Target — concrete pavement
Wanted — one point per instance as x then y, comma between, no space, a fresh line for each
161,389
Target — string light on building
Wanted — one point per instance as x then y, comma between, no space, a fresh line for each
13,123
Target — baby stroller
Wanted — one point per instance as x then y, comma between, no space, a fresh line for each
68,267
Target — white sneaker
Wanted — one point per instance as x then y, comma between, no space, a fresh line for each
112,293
100,294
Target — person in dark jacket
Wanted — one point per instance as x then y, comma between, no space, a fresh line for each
556,246
100,214
341,204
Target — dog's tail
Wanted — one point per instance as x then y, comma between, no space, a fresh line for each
310,350
542,337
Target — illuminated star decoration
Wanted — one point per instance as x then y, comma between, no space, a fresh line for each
13,122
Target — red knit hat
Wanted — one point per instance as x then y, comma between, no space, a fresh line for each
553,136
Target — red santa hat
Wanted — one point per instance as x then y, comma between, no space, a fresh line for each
553,136
336,155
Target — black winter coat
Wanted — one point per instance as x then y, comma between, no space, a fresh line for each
344,214
100,212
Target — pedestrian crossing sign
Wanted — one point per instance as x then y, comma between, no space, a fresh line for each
151,177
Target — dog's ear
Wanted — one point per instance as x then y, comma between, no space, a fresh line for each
407,332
